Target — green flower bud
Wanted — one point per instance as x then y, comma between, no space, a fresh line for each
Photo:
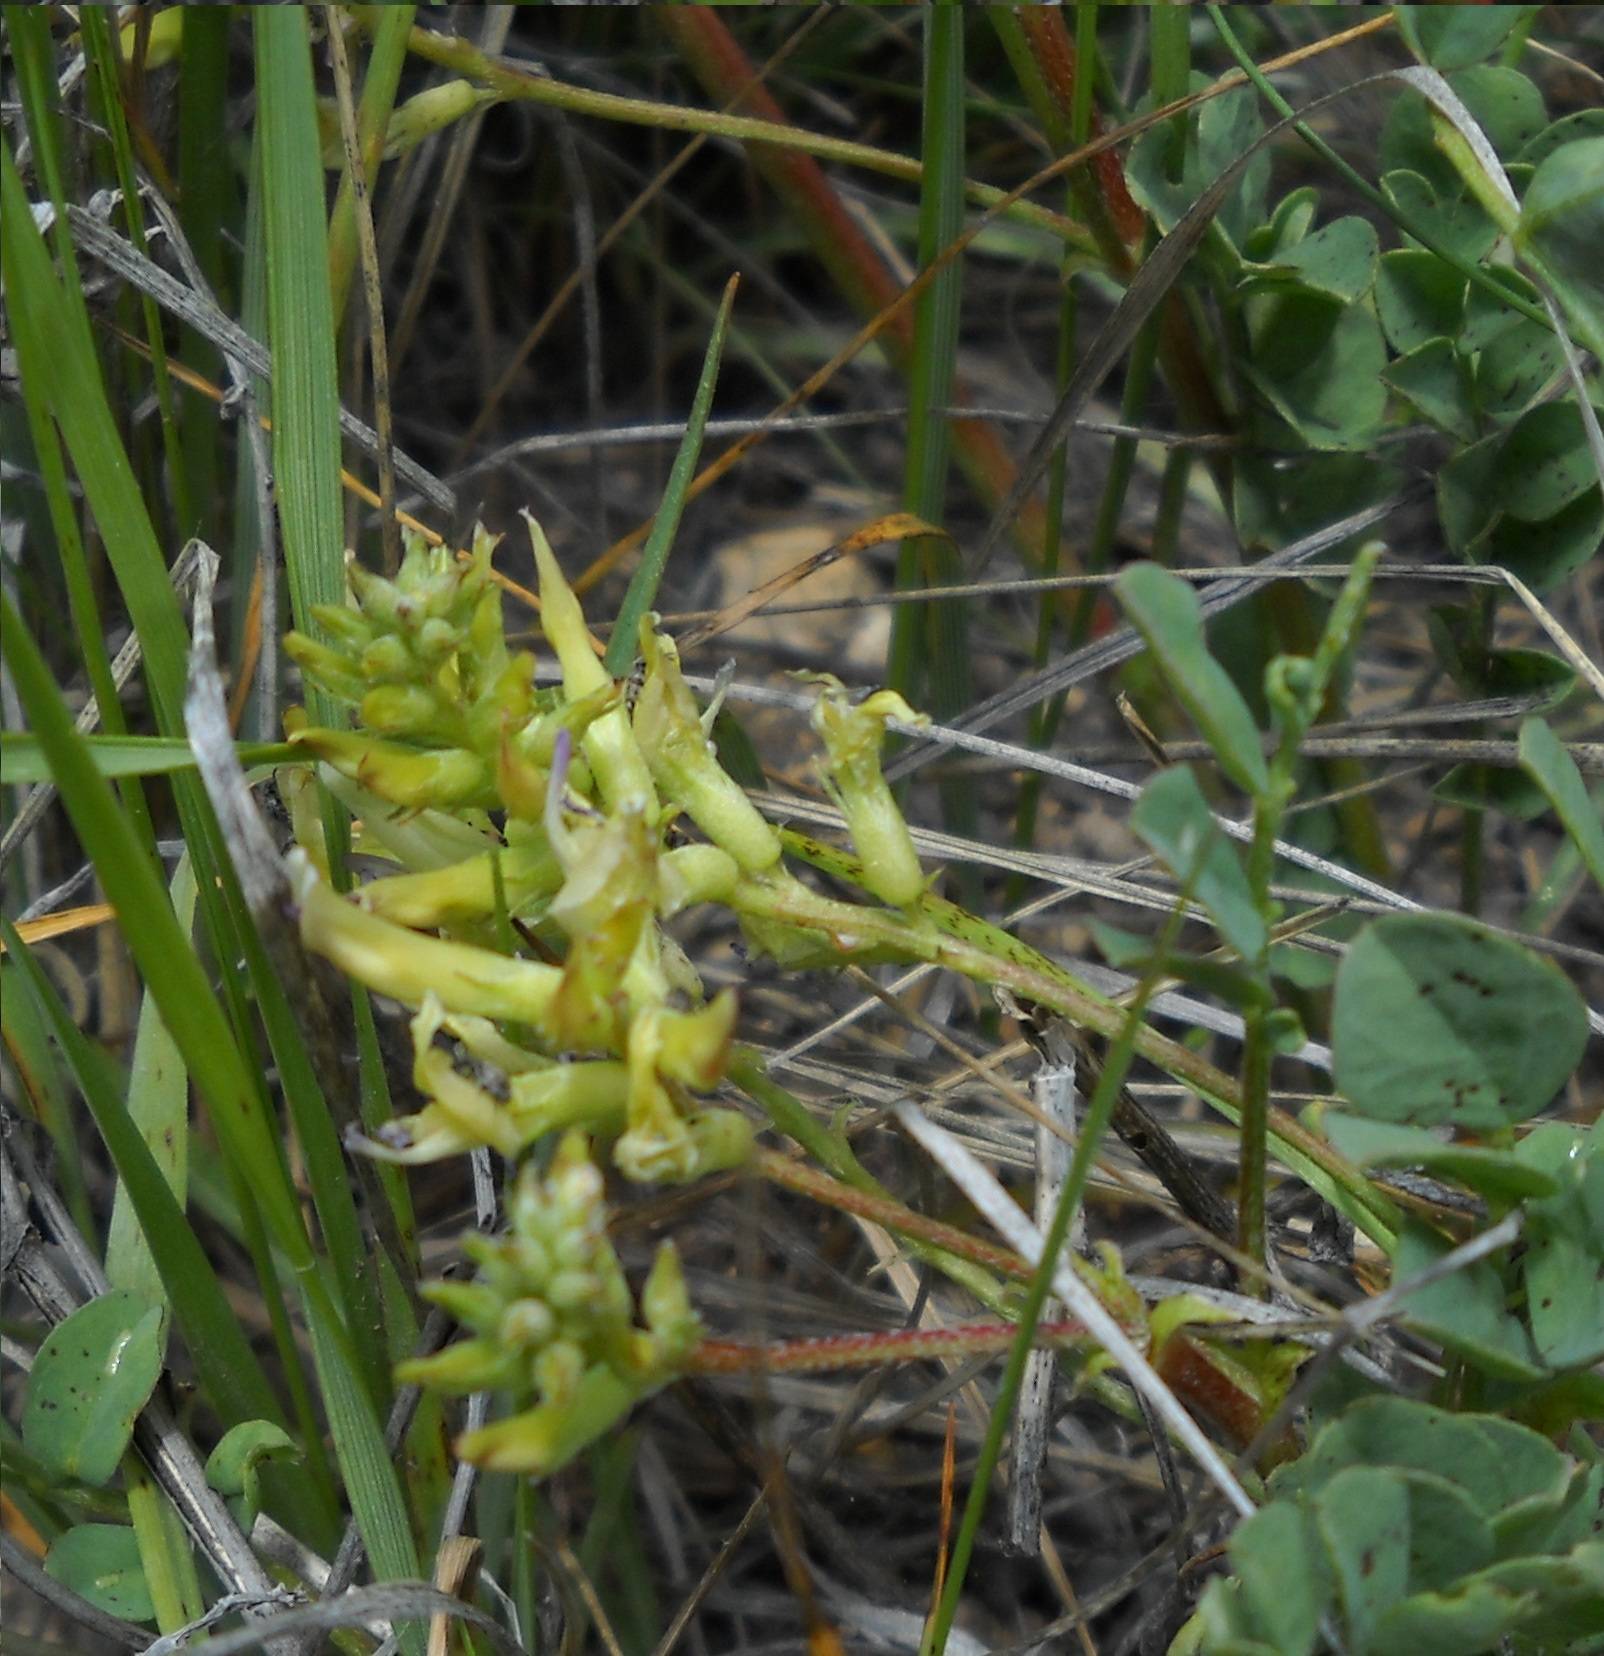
347,627
685,765
328,669
852,774
407,966
388,659
610,745
463,891
414,778
409,710
665,1305
527,1323
693,1048
543,1440
466,1366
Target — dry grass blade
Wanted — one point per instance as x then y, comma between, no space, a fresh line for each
1002,1213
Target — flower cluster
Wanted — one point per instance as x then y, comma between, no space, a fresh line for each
550,1317
540,841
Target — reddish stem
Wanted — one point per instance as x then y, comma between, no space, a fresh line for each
840,1351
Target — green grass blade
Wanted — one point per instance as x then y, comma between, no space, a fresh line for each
386,58
101,53
624,642
32,54
306,392
175,975
24,760
929,654
158,1108
206,204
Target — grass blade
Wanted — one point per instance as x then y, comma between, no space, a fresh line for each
622,645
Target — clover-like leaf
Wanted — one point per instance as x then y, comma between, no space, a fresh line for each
1173,817
1554,771
101,1563
88,1383
1165,610
1438,1018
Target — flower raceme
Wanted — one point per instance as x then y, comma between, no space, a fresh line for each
536,841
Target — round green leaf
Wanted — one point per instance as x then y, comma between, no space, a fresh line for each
1436,379
1363,1517
1453,37
1418,297
1319,365
1502,102
1338,261
1545,462
1585,123
1543,554
87,1385
1562,214
100,1562
232,1468
1285,1579
1438,1018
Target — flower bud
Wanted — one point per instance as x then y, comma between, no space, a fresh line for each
852,774
407,966
685,765
410,777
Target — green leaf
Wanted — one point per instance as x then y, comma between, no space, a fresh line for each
1555,772
1436,379
1473,1616
223,1358
1545,462
1221,133
624,642
1562,215
1585,123
1514,367
1338,262
1497,1463
1504,104
1497,1173
158,1107
1363,1517
100,1562
1491,788
114,756
1457,225
1453,37
1319,364
1286,226
1465,1310
1438,1018
1173,817
306,395
1564,1260
88,1383
1448,1536
1419,297
1567,1603
1165,610
1285,1578
233,1467
1544,554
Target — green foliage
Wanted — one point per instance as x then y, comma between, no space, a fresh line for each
89,1381
1438,1019
1409,1529
534,846
233,1468
100,1562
